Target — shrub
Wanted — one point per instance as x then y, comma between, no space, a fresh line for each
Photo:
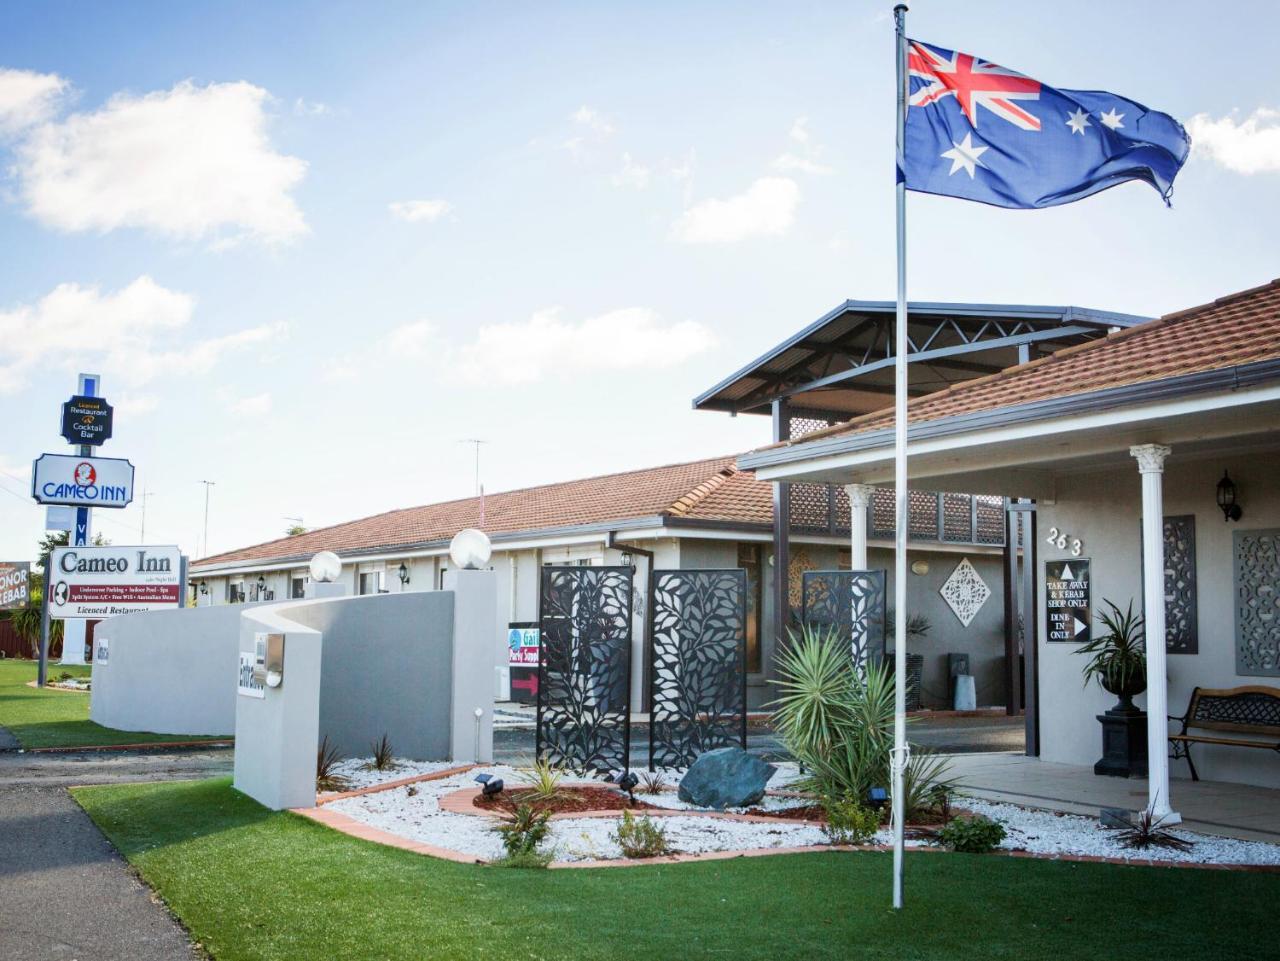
522,834
640,837
1150,832
529,859
326,760
544,781
972,834
848,822
382,755
926,789
652,782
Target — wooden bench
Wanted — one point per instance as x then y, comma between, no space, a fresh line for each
1253,710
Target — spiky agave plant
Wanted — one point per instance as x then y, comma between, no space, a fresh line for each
383,758
327,759
544,781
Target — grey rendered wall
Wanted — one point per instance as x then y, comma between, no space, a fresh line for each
1104,509
169,672
386,668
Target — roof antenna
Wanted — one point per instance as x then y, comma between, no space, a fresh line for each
482,507
477,441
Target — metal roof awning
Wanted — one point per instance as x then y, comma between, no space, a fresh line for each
841,365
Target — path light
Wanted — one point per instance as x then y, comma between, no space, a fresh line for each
878,797
489,785
470,549
404,574
626,780
325,567
1227,499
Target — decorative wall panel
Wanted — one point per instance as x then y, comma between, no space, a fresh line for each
965,592
1180,613
1257,602
851,603
584,678
697,668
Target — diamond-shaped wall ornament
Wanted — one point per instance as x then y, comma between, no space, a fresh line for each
965,592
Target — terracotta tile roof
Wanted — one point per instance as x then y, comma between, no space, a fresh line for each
711,489
1238,329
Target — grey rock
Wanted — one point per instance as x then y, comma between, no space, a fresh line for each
726,777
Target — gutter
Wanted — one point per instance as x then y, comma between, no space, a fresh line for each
1221,379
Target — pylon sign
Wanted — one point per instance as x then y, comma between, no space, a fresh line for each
86,420
82,481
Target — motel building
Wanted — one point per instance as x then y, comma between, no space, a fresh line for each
966,581
1147,461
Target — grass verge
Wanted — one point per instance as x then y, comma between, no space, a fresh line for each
57,718
253,884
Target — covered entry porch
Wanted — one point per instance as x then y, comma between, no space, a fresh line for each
1120,445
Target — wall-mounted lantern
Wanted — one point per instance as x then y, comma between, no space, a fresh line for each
262,586
627,559
204,588
404,574
1227,499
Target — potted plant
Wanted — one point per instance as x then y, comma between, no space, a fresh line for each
1118,657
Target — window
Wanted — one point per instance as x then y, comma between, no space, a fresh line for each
298,587
749,560
371,582
235,592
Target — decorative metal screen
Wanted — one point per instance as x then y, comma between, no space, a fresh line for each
584,676
810,507
922,509
851,603
988,515
1181,634
697,666
957,517
1257,600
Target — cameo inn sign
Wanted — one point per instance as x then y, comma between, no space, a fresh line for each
98,582
82,481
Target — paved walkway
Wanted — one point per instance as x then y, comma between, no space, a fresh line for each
64,891
1211,807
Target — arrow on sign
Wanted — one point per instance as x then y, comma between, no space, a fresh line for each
1079,625
1066,573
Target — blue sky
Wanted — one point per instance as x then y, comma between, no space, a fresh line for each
310,247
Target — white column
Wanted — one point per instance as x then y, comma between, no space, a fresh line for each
859,501
1150,459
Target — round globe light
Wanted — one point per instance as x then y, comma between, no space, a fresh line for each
325,567
470,549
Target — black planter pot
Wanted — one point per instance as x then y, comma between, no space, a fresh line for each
1126,692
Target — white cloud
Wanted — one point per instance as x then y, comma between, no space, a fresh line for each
806,158
766,208
130,335
593,120
415,211
187,162
28,98
134,403
310,108
412,339
631,174
1249,146
253,406
633,338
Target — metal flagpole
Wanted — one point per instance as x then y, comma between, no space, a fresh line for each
900,472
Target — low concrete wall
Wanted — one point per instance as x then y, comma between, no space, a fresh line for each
386,668
168,672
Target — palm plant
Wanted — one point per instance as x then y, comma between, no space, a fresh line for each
544,781
1118,658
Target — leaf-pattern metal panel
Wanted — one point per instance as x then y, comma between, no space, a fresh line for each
1257,601
584,677
1181,633
850,602
697,669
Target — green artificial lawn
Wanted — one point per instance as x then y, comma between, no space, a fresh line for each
58,718
252,884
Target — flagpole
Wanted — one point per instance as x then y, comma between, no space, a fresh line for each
899,757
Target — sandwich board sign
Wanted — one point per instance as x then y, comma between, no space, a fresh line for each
98,582
82,481
1068,600
15,584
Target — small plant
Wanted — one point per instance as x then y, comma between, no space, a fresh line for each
326,760
544,781
382,756
653,782
848,822
526,829
940,795
971,834
923,780
530,859
1150,832
1118,658
640,837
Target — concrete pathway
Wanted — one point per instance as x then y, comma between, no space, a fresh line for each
64,892
1210,807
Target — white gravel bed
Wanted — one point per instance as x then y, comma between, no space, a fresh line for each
1044,832
360,773
669,800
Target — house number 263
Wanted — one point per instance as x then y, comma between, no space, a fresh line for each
1064,542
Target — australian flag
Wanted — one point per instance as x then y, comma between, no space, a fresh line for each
978,131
